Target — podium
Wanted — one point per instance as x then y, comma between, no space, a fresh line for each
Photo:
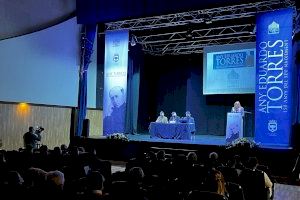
234,126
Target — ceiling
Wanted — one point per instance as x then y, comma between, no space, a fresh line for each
189,32
19,17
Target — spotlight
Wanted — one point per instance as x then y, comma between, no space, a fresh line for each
208,20
253,32
189,34
133,40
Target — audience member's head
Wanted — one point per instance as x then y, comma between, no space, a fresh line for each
35,177
252,162
215,182
95,180
213,156
74,151
161,155
136,175
44,150
57,151
55,179
192,156
64,147
152,156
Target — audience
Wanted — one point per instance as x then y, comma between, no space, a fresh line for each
154,176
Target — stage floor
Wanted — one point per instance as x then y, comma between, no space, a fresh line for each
212,140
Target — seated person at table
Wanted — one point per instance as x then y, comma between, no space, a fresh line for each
238,108
174,118
188,118
162,118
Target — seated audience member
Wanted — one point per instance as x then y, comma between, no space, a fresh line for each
255,181
174,118
188,118
192,157
162,118
215,183
95,185
161,155
213,161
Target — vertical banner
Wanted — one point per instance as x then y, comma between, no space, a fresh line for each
273,78
115,81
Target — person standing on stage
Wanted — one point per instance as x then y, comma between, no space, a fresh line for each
188,117
174,118
238,108
162,118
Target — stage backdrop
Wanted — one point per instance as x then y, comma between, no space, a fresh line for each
274,78
115,81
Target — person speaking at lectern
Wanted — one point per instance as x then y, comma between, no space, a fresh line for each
237,108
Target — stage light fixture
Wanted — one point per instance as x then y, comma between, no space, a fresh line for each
189,34
208,20
253,32
133,40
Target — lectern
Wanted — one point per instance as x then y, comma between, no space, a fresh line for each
234,126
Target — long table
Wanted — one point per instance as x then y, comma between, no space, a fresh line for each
179,131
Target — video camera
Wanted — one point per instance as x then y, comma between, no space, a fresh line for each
39,129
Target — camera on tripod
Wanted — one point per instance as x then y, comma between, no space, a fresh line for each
39,129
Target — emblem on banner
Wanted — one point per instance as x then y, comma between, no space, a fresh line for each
272,126
273,28
116,57
116,43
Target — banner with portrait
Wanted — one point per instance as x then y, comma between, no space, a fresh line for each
115,81
273,77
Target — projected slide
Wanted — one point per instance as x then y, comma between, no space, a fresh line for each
229,69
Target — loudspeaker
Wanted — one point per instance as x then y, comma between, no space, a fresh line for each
86,128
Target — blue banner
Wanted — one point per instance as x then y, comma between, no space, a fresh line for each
115,81
273,78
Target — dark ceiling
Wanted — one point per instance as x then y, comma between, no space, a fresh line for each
180,27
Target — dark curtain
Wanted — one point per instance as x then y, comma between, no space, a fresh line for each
135,62
87,40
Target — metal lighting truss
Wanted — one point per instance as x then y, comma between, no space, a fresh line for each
189,32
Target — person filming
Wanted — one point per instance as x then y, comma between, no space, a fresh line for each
32,137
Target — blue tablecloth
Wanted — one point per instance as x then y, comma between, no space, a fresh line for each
179,131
